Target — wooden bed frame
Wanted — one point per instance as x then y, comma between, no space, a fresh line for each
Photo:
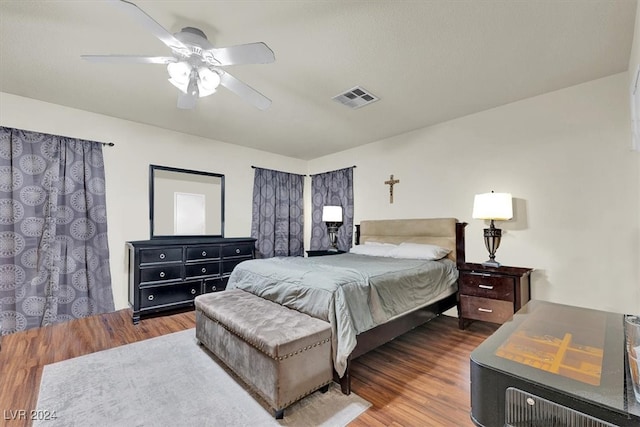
386,332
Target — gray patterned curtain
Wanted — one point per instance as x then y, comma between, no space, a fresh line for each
277,219
53,230
332,189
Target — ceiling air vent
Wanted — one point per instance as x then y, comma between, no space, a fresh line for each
356,97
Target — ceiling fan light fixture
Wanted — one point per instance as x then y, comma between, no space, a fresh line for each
179,73
208,81
193,89
182,86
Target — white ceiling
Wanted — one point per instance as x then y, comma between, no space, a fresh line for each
428,61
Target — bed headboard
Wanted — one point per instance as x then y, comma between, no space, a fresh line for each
445,232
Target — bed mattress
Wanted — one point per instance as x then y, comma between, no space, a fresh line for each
354,293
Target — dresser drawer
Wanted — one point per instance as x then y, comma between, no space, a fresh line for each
198,253
215,285
161,273
487,286
229,264
202,269
241,249
148,256
154,296
489,310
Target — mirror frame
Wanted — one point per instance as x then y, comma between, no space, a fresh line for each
152,169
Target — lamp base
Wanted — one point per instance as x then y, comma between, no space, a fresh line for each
491,263
492,236
333,227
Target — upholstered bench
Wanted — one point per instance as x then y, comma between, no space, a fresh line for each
282,354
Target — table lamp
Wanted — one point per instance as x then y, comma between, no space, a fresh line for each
494,207
332,216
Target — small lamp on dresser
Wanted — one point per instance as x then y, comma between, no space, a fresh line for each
332,216
494,207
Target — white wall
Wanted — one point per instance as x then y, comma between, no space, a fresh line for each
565,156
634,63
127,169
634,58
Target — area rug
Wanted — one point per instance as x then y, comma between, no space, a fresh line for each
171,381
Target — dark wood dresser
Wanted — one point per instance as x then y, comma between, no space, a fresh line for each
165,274
491,294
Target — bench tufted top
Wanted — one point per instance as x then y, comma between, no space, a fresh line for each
275,330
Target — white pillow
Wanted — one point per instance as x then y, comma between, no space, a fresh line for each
373,249
419,251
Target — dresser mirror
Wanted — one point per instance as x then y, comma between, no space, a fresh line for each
185,202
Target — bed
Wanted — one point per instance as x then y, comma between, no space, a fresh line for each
367,299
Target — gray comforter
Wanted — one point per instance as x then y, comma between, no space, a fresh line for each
352,292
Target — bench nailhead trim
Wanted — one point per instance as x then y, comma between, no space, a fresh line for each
257,347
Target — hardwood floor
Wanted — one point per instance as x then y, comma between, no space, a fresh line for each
419,379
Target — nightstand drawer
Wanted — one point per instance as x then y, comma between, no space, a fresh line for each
489,310
487,286
324,252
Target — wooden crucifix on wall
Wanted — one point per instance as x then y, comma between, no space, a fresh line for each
391,182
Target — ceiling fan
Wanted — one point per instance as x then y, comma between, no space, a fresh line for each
196,65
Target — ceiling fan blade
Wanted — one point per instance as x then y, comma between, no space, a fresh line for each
251,53
244,91
150,24
129,59
186,101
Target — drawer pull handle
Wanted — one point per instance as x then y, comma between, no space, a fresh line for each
237,251
162,256
162,274
204,253
150,297
204,270
485,286
193,291
485,310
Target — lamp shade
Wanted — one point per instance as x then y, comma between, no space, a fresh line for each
332,214
179,73
209,81
498,206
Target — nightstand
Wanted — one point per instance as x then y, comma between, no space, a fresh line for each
491,294
323,252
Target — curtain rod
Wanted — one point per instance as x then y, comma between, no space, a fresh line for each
258,167
253,167
108,144
348,167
